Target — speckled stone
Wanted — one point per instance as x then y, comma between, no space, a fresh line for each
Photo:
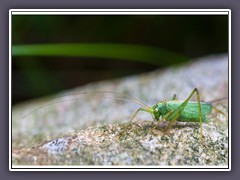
55,130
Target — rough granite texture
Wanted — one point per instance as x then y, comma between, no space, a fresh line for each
83,129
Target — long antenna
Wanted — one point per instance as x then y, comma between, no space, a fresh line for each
121,97
220,99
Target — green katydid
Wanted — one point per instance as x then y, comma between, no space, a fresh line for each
175,110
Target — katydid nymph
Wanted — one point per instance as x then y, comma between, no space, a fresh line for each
175,110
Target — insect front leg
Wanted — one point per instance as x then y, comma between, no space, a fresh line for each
160,120
134,115
165,116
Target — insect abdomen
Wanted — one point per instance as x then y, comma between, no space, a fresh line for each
190,112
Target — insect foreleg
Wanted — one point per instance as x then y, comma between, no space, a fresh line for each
137,111
134,115
163,118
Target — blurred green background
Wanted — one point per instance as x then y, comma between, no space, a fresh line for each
55,52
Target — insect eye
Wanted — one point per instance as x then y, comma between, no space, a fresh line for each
156,109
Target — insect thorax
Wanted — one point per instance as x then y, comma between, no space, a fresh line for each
159,110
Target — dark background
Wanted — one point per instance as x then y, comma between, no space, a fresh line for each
32,76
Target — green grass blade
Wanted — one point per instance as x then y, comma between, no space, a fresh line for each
138,53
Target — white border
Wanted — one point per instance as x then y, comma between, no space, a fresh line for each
114,168
117,12
229,85
10,88
120,11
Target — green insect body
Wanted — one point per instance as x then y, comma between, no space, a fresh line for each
188,114
174,110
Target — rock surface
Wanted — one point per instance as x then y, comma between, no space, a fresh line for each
83,129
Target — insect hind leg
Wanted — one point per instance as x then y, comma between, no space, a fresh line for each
219,111
175,114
